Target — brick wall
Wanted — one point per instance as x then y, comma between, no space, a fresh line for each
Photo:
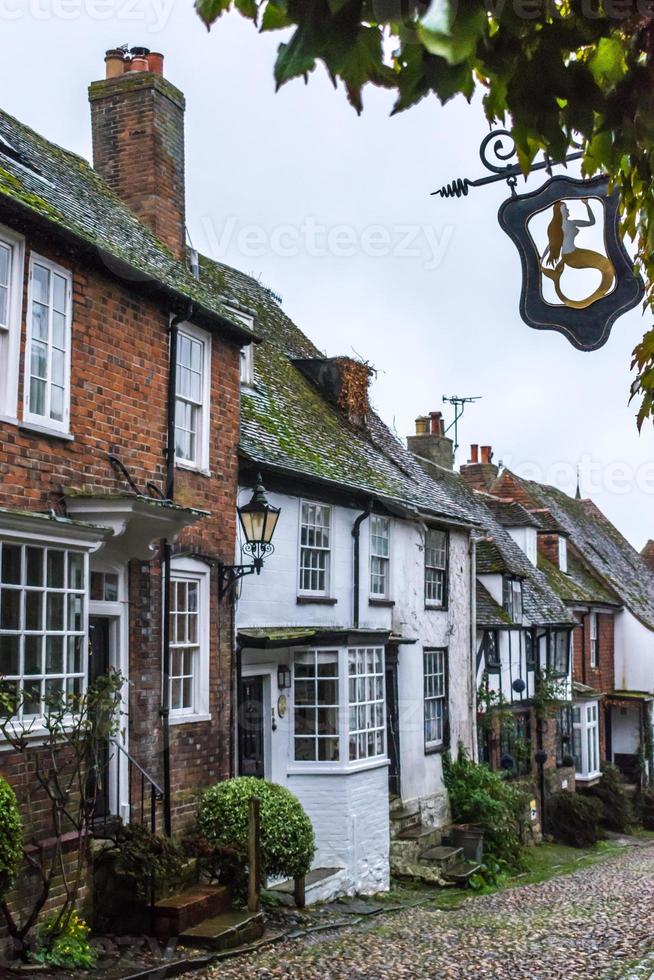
118,405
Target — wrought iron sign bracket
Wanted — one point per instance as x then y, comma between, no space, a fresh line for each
230,575
495,155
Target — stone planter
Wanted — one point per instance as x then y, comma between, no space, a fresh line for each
470,838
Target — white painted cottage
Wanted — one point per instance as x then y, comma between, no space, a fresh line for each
355,647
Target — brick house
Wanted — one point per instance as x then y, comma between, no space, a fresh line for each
119,423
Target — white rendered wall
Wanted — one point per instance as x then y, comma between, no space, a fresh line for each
527,540
634,654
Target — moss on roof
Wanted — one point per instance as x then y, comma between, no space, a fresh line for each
63,189
286,423
578,586
490,615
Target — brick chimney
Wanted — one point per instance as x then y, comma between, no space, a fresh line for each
480,472
138,141
430,442
648,554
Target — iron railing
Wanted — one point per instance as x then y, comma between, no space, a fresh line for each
144,795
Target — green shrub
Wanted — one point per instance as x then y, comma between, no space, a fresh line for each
483,797
647,809
610,791
287,840
11,837
574,819
152,860
69,948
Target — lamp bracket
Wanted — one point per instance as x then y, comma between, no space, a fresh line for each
229,575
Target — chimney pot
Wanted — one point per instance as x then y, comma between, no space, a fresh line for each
436,423
486,454
422,425
474,453
114,63
156,62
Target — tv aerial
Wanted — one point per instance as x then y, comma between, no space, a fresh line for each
459,403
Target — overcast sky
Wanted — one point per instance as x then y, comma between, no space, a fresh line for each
334,213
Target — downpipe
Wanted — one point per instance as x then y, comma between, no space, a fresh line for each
356,535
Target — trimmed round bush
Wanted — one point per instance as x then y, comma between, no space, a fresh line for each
574,819
11,837
287,839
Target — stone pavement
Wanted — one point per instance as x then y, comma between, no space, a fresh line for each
597,922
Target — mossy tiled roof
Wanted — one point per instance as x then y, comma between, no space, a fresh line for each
577,585
603,549
508,513
61,188
287,424
490,615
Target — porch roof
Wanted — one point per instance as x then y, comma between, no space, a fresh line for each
275,637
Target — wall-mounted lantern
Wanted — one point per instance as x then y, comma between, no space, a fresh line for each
258,520
283,677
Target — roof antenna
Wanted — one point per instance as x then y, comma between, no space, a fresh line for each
459,408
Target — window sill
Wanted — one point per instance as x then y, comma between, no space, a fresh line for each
381,603
436,749
42,430
192,468
335,768
188,719
316,600
432,607
593,777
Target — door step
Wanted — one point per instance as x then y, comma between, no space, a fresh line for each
442,857
225,931
461,873
177,913
404,818
320,885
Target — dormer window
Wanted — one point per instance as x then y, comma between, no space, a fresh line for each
513,598
563,553
247,367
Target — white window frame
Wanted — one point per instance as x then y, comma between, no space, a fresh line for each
585,728
385,560
10,334
246,367
593,639
44,422
366,703
563,553
328,551
192,570
345,656
33,724
435,695
432,603
202,438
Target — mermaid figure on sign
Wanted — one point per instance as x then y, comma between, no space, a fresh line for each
562,232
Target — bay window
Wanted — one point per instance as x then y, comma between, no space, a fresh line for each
339,706
43,624
436,561
315,548
48,346
11,295
380,550
586,751
192,398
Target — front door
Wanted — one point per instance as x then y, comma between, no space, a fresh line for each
251,727
392,723
100,663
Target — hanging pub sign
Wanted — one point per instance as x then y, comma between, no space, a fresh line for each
577,277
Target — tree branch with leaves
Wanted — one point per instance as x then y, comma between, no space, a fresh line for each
558,73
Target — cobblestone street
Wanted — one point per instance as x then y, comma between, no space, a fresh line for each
596,922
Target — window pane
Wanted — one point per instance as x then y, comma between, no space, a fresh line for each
34,566
9,655
55,612
59,293
54,655
40,284
11,564
10,609
34,611
37,397
33,654
55,569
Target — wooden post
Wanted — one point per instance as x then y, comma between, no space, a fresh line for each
300,891
254,855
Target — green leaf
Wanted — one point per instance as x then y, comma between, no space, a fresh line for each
211,10
275,16
452,31
608,63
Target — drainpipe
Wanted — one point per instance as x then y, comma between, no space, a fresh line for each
356,534
166,549
472,552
